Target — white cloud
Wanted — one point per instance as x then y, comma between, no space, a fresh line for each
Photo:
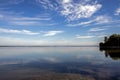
3,30
14,19
23,23
81,23
92,36
84,37
43,20
47,4
70,9
52,33
66,1
97,29
102,19
98,20
21,18
6,15
74,11
32,23
86,23
117,12
30,18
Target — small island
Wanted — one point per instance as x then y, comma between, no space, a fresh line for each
111,42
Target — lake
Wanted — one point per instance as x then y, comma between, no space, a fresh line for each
58,63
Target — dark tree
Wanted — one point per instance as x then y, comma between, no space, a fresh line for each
111,42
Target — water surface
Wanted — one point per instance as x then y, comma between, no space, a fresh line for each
58,63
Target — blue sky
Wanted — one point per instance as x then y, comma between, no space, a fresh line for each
58,22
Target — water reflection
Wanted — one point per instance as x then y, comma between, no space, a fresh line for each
114,54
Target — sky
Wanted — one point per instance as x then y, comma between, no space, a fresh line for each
58,22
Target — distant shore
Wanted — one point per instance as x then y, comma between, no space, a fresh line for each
53,46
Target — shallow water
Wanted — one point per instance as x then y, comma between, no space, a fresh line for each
58,63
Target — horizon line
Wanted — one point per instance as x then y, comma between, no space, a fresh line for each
48,45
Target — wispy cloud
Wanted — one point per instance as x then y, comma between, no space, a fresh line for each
97,29
47,4
84,37
31,18
31,23
24,23
44,20
102,19
52,33
5,16
27,32
98,20
9,2
91,36
81,23
117,12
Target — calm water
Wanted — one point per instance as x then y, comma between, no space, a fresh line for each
58,63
